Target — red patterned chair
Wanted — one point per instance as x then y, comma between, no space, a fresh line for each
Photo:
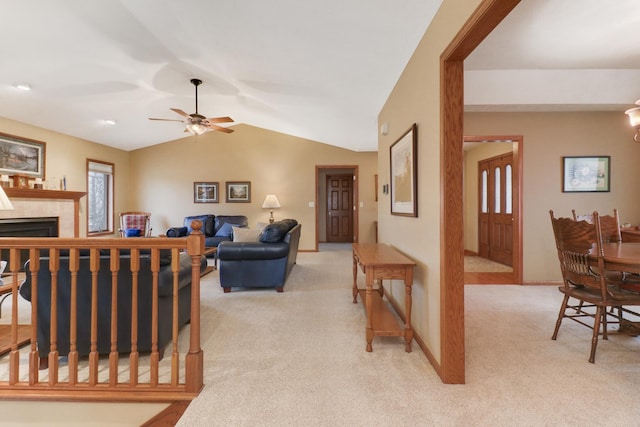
135,224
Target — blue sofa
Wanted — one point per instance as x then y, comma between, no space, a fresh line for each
216,228
262,264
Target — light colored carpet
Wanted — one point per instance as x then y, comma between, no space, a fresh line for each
298,358
475,264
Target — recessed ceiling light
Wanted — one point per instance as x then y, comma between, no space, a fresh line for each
22,86
109,122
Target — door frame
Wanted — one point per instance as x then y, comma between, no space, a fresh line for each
320,194
482,21
514,277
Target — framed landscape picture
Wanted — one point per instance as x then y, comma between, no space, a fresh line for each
205,192
239,192
404,187
21,156
586,174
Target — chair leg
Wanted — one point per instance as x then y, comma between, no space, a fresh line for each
604,324
563,308
596,332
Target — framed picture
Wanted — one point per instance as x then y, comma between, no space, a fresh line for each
21,156
205,192
404,182
586,174
239,192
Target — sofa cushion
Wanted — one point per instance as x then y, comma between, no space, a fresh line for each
208,222
275,232
244,234
225,231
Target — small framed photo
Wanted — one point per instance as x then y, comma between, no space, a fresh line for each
586,174
205,192
239,192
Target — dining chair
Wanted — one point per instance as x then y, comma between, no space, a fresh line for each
135,224
609,225
580,252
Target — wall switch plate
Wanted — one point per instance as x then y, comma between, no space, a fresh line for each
312,204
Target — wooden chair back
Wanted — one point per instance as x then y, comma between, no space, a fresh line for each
609,225
577,242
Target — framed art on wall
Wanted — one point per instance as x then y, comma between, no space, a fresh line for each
205,192
239,192
21,156
586,174
404,165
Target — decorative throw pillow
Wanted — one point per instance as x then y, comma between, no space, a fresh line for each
132,232
274,233
244,234
225,231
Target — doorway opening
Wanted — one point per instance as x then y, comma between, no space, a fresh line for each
336,205
493,209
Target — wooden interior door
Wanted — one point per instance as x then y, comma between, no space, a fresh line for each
340,208
495,216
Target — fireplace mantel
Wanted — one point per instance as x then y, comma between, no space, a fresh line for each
28,194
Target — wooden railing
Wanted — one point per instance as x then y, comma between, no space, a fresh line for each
103,377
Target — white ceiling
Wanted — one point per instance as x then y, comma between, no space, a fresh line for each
317,70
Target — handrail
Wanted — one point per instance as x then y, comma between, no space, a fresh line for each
85,378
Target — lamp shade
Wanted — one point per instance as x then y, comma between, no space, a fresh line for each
271,202
634,115
5,203
196,128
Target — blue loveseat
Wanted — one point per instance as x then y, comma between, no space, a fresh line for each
216,228
262,264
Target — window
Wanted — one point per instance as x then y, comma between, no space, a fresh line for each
99,197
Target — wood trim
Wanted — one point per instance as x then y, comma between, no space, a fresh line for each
483,20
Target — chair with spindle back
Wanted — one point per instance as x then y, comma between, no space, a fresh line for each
580,252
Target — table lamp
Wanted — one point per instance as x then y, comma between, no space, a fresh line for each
5,203
271,202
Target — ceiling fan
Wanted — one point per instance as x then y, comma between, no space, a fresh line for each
196,123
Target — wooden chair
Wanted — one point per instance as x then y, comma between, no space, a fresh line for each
135,224
609,225
579,246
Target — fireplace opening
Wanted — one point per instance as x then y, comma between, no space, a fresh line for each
27,227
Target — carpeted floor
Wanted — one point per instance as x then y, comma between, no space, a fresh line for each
298,359
475,264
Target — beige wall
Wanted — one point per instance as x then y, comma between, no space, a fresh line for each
162,177
67,156
416,99
547,137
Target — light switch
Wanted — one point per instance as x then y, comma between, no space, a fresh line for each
362,204
312,204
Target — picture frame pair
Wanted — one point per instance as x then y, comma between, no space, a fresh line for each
208,192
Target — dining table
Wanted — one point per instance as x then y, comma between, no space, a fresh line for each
624,256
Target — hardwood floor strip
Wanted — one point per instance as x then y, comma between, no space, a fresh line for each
170,416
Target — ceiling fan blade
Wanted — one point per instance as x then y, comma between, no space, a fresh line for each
219,128
179,111
166,120
220,120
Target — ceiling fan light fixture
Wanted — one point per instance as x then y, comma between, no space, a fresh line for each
196,128
634,120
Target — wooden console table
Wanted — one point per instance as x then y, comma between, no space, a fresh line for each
378,262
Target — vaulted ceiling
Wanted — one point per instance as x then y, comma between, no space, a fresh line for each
317,70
